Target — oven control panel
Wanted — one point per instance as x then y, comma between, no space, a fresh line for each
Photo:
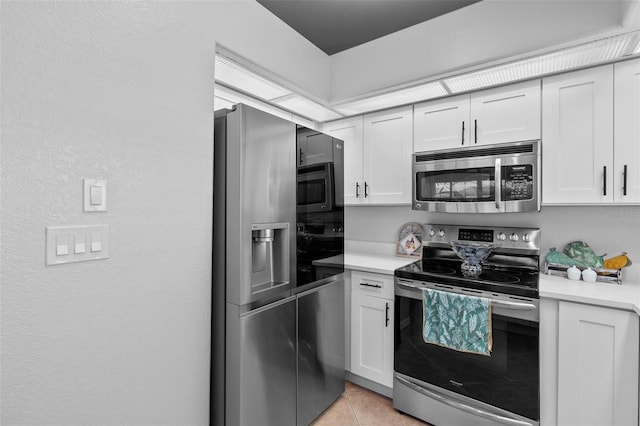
513,238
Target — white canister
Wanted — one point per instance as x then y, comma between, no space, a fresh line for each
589,275
573,273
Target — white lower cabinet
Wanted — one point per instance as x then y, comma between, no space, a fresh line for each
595,376
372,327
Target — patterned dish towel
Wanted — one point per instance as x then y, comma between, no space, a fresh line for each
457,321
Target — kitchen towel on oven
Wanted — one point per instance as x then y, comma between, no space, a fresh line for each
457,321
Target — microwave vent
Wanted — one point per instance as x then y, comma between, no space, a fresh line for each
480,152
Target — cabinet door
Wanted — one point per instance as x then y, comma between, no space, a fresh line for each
314,147
627,132
388,142
372,338
506,114
577,137
441,124
597,365
349,131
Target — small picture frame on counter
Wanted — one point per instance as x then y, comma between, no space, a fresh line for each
410,240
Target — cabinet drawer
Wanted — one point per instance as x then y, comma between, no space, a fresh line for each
372,284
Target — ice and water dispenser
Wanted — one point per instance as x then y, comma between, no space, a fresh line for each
269,256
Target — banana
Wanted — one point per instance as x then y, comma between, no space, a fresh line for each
617,262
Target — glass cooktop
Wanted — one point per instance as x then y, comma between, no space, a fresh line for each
500,279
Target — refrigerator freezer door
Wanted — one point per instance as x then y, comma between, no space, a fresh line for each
261,359
320,349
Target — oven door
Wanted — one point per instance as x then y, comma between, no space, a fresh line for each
315,191
501,386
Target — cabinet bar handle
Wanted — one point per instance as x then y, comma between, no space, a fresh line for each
462,132
604,180
366,187
371,285
498,182
357,190
300,155
475,130
624,180
386,323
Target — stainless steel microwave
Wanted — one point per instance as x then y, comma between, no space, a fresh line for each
497,178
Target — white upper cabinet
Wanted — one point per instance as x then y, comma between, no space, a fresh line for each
388,140
349,131
377,156
441,124
626,160
504,114
577,137
313,147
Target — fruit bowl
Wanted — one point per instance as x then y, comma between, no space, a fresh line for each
472,255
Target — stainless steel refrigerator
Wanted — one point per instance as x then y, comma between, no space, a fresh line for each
278,288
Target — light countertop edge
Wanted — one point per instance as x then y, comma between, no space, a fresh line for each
375,263
620,296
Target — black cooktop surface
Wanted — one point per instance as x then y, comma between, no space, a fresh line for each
496,278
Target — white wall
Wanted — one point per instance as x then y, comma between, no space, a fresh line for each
486,31
607,229
121,91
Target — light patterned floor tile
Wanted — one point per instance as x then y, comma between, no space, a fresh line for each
340,413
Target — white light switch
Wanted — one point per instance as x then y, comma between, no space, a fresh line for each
95,195
96,242
80,245
67,244
62,245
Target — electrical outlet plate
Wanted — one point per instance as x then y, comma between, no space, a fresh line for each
68,244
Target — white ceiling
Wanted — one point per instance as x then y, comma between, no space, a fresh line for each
487,32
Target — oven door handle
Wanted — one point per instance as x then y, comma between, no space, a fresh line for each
519,306
463,407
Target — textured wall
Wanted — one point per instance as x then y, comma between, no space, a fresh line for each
121,91
608,229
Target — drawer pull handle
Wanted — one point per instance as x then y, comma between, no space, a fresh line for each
371,285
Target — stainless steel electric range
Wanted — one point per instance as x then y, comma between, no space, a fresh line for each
448,387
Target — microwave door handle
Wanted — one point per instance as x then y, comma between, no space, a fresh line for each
498,182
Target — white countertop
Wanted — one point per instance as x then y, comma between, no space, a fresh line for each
621,296
376,263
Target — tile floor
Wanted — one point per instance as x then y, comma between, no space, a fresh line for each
360,406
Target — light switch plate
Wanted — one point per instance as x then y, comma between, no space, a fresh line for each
76,238
95,195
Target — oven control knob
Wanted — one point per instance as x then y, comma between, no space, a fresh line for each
514,237
441,233
526,237
502,236
432,232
